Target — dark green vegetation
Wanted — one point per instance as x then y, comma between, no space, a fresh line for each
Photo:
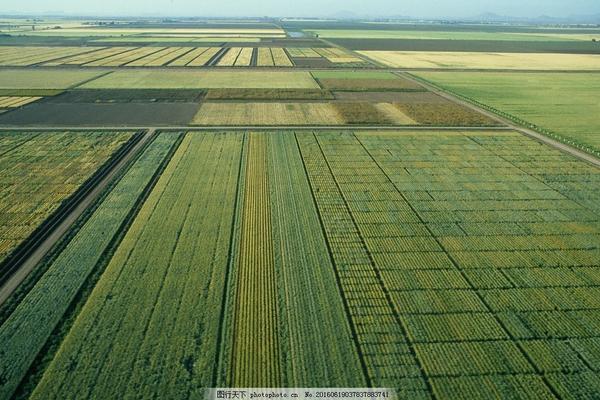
102,114
499,46
477,250
128,96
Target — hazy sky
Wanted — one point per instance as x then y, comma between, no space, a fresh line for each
416,8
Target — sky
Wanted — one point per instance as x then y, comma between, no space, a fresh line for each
282,8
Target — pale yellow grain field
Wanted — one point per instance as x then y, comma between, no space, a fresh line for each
239,114
229,58
473,60
245,57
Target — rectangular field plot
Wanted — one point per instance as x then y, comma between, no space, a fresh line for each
441,263
44,79
516,61
170,79
120,58
255,113
325,57
364,81
229,114
39,171
92,114
230,57
564,105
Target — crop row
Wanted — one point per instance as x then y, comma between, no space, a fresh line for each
44,306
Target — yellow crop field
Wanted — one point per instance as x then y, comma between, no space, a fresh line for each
203,58
228,60
525,61
188,57
24,56
193,79
159,58
124,58
235,114
256,298
245,57
85,58
16,101
265,58
280,58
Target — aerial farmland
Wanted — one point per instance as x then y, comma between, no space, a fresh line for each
191,203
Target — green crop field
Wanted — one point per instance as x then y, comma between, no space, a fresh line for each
168,79
198,203
46,304
43,79
564,104
39,171
438,263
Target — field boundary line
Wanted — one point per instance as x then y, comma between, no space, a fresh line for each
527,129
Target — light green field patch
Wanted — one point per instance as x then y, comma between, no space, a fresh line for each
565,103
169,79
43,79
353,75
